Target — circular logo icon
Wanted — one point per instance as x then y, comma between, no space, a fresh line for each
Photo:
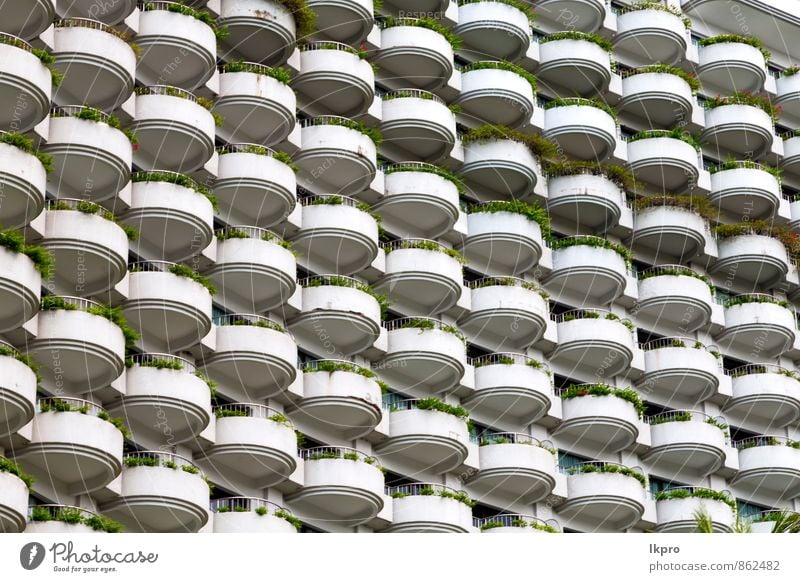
31,555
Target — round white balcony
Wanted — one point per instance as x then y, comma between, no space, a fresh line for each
429,508
669,229
588,267
788,94
685,441
681,369
25,85
17,390
503,165
261,31
676,509
174,131
164,393
420,56
595,339
675,294
99,67
510,385
769,464
254,441
497,93
420,197
250,515
751,259
791,152
664,99
253,269
23,181
256,104
172,213
495,29
64,519
89,249
336,152
340,396
347,21
177,48
515,465
109,13
758,321
741,129
571,61
340,316
419,122
20,289
582,15
599,417
767,393
13,502
510,523
76,349
171,310
424,353
422,273
338,234
73,446
254,353
507,311
27,19
341,485
745,188
732,66
669,163
160,492
254,185
508,240
427,438
651,35
589,199
794,209
766,521
604,496
581,129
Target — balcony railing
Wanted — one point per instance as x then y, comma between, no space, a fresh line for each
15,41
516,520
243,504
249,319
255,232
343,365
575,314
413,489
68,404
766,441
423,323
413,93
167,90
516,438
509,358
251,410
162,459
766,368
330,199
89,23
75,110
681,342
319,453
57,512
167,361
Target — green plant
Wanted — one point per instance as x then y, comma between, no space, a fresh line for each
789,239
538,145
608,468
116,421
532,212
676,272
336,281
48,61
582,102
719,424
289,517
228,412
189,273
674,133
427,168
698,493
493,524
661,7
22,358
621,176
521,6
102,523
161,364
221,32
737,38
429,245
430,24
682,416
261,511
790,71
438,405
212,385
428,324
91,114
208,104
731,164
603,43
627,394
191,469
24,144
593,241
502,66
179,180
745,98
280,74
690,79
115,316
698,205
8,466
371,132
170,465
91,208
141,462
745,299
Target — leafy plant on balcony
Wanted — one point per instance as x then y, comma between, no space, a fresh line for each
793,444
92,114
494,524
9,466
627,394
698,493
116,421
674,133
141,462
745,299
45,57
338,281
747,370
280,74
208,104
283,514
261,511
265,324
371,132
720,425
439,406
212,384
58,405
161,364
539,146
740,39
682,416
512,282
102,523
765,441
502,66
115,316
221,32
429,23
91,208
532,212
603,43
676,272
429,169
790,71
189,273
22,358
429,324
595,242
191,469
582,102
660,7
789,239
700,206
24,144
621,176
275,239
521,6
230,412
732,164
499,360
608,468
428,245
690,79
179,180
746,98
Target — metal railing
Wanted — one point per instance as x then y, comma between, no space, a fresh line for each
75,22
164,459
409,167
406,323
758,298
336,120
408,243
75,110
346,365
678,415
412,93
574,314
328,199
77,204
327,45
765,441
251,410
669,270
514,438
248,67
255,232
508,358
502,281
167,90
516,520
144,359
674,342
575,469
146,5
345,453
248,319
80,303
693,488
56,511
245,148
419,489
14,351
765,368
150,266
177,178
770,515
332,280
244,504
383,23
15,41
68,404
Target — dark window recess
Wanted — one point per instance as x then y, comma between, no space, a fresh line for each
393,315
781,129
732,363
303,357
220,492
474,351
470,275
747,509
639,266
567,460
653,409
627,131
309,443
391,398
709,162
564,381
657,484
394,479
739,434
568,530
559,308
644,336
308,529
302,273
482,511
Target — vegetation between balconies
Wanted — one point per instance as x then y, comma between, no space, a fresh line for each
507,360
538,145
766,441
179,180
607,468
532,212
7,350
699,205
460,496
732,164
674,133
9,466
427,168
595,242
74,516
502,66
521,6
519,522
582,102
336,200
24,144
603,43
687,22
241,411
677,416
434,404
341,281
621,176
233,232
304,17
91,208
425,324
790,71
112,314
511,282
221,32
279,513
676,271
589,314
280,74
418,94
756,298
58,405
690,79
740,39
746,98
426,245
627,394
508,438
723,426
330,366
258,150
698,493
429,23
784,521
263,323
371,132
92,114
45,57
789,239
42,259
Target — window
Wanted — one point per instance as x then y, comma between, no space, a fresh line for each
567,460
563,381
657,484
747,509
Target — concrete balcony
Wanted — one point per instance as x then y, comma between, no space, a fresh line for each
160,492
429,508
743,130
758,320
172,213
74,447
338,234
515,465
260,31
339,156
255,103
17,390
23,181
20,289
791,152
503,166
510,385
587,336
424,353
254,441
255,354
340,396
581,129
506,311
582,15
651,36
250,515
418,122
663,99
254,185
112,13
515,524
680,369
418,55
177,49
420,198
676,509
427,438
589,271
171,311
589,199
675,294
767,393
60,519
769,465
751,260
422,273
13,502
342,486
165,391
666,162
347,21
669,231
731,67
766,521
582,66
77,350
686,441
339,315
27,20
253,269
788,96
25,86
494,29
496,93
174,131
99,66
745,189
